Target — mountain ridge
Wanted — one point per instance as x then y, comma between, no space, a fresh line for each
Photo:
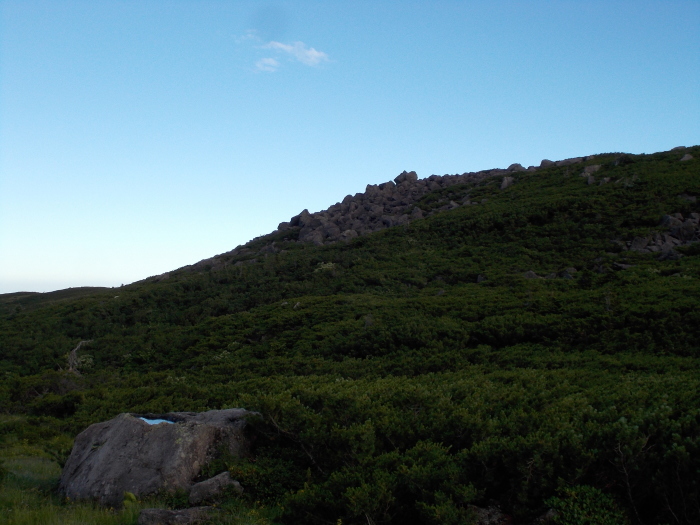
395,203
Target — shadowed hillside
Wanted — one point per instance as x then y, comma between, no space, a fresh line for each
519,339
16,302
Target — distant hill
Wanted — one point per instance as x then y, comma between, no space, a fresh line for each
18,301
514,340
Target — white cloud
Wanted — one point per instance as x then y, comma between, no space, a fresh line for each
249,35
267,64
299,50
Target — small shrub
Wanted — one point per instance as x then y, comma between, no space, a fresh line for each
583,505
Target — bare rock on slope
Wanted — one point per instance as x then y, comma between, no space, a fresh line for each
127,454
507,181
406,176
212,488
568,162
490,516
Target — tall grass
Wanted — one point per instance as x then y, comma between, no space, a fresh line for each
28,497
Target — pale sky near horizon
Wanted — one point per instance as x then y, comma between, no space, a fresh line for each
140,136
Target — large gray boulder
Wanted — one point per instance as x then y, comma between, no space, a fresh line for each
127,454
406,176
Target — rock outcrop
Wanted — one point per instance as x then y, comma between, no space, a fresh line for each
394,203
680,231
382,206
490,516
569,162
210,489
507,181
385,205
589,170
127,454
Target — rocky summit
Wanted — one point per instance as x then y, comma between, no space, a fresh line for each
393,203
382,206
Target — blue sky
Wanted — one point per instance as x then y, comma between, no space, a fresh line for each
140,136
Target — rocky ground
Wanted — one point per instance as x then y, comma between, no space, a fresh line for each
391,203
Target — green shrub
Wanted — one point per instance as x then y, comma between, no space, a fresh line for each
584,505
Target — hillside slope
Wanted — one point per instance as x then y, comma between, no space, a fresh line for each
537,332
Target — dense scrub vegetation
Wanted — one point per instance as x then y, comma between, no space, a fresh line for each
409,374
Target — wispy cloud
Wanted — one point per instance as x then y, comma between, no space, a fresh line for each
249,35
296,52
267,64
300,51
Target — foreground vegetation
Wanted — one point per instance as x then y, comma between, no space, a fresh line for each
408,374
28,497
